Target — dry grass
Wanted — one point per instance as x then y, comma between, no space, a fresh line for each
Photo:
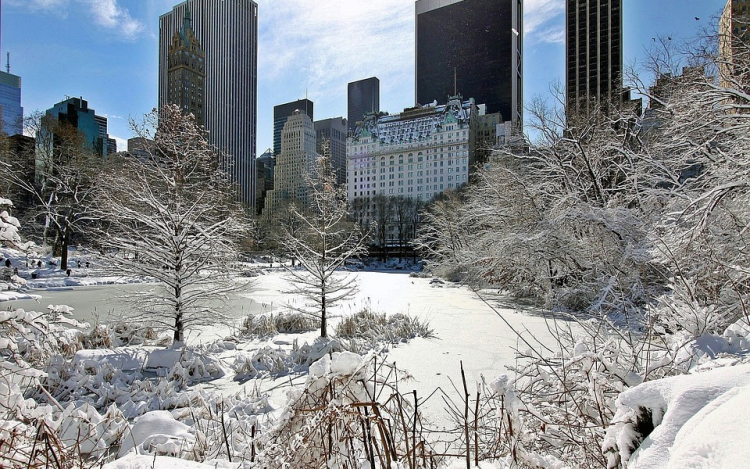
371,327
265,325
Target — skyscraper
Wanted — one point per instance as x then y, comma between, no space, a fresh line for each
293,164
228,34
10,104
186,73
282,112
593,52
472,48
334,132
76,113
363,96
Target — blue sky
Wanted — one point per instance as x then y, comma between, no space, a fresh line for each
107,50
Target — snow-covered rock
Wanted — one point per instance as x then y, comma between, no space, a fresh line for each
697,422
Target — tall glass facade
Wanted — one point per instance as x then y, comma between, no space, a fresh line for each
471,48
10,102
363,96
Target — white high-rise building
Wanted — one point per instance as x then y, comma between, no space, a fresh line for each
228,33
293,164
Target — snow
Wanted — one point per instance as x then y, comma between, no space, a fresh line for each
124,358
345,363
157,433
693,414
690,412
133,461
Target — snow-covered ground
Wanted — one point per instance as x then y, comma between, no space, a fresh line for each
688,412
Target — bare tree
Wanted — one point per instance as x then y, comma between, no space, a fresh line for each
382,211
64,184
322,245
171,216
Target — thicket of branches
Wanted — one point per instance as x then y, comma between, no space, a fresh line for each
642,224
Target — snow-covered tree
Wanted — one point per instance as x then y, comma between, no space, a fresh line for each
322,245
64,183
171,216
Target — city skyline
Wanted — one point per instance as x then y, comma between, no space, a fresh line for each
111,59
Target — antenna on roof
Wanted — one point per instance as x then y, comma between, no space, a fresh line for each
455,82
7,65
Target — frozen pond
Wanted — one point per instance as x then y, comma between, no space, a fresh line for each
468,330
109,303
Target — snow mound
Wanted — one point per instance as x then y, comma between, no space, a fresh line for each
124,359
690,416
158,433
345,363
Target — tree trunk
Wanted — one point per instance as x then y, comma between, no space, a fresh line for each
64,248
178,328
323,325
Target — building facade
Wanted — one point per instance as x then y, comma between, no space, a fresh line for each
334,132
471,47
363,97
593,51
265,164
293,164
733,26
186,71
282,112
11,110
228,34
418,154
92,128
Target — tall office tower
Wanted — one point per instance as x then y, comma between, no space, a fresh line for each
186,71
102,123
593,53
733,26
333,131
472,48
228,34
363,96
293,164
76,113
282,112
11,112
10,104
111,146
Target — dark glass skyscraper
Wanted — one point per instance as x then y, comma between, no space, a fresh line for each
593,51
363,96
472,48
284,111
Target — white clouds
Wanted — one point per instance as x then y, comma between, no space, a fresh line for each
544,21
324,45
122,143
106,14
109,15
41,5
